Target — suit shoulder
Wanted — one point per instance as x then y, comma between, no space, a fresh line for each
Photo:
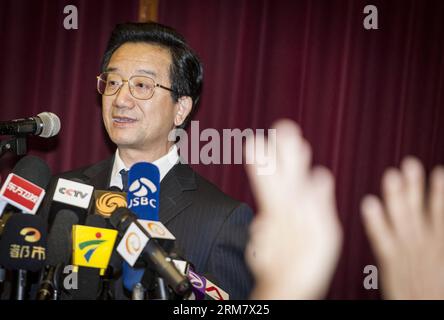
85,170
209,194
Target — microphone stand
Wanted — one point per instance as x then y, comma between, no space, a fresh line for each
21,284
16,144
138,292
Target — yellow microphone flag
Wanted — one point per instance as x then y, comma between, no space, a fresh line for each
92,247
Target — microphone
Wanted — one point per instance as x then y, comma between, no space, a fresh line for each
204,289
155,287
93,245
72,195
24,188
143,200
107,201
3,205
136,242
143,190
59,253
215,292
45,125
23,248
157,230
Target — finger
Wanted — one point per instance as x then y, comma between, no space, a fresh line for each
260,184
414,178
325,201
293,152
261,249
377,226
436,197
394,198
324,184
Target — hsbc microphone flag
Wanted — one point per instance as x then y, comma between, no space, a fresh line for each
143,190
143,200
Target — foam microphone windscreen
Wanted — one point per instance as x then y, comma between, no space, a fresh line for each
34,170
96,221
115,189
23,244
60,238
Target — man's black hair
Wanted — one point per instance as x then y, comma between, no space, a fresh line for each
186,72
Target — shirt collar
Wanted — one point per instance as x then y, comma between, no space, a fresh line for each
165,164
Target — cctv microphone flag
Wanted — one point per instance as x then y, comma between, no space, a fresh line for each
72,195
143,190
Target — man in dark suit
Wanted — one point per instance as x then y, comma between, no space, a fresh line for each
150,84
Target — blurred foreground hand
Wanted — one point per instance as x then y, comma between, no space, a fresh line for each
406,231
296,236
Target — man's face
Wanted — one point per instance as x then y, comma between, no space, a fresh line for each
140,124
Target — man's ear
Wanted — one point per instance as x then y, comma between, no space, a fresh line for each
183,109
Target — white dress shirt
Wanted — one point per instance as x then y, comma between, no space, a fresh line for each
165,164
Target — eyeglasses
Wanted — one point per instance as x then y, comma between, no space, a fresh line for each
140,87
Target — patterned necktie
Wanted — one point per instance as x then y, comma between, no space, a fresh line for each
124,174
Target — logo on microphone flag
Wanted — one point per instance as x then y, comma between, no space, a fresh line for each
198,285
215,292
73,193
132,244
107,202
143,191
156,229
30,234
92,247
21,193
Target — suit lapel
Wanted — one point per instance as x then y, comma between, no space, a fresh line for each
173,198
99,175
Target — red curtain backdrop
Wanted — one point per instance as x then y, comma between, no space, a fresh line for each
364,98
48,68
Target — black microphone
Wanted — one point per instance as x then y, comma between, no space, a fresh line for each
154,286
33,169
23,248
24,188
152,253
45,125
59,253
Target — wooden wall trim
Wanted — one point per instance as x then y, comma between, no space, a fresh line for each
148,10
